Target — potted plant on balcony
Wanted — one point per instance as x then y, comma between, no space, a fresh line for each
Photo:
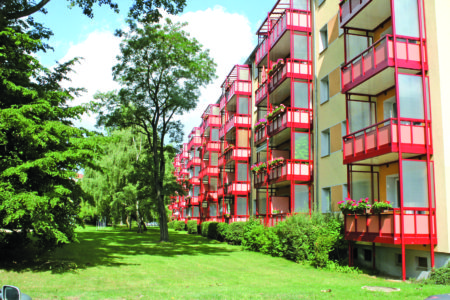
261,123
259,167
230,146
379,206
275,211
278,110
277,161
349,206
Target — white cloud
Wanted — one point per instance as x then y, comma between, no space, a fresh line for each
228,36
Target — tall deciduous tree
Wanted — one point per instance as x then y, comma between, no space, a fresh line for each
161,70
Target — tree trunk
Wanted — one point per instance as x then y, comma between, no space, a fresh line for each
129,222
138,218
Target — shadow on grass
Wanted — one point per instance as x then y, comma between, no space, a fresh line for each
110,247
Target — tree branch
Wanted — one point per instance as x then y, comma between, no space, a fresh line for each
28,11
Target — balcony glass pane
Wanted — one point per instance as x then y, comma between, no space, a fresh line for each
359,115
356,44
361,185
300,47
189,212
243,138
196,212
214,159
242,172
243,106
301,146
244,74
196,191
214,134
196,171
215,110
300,4
212,209
406,17
411,96
241,206
415,185
197,153
301,200
262,204
213,184
301,99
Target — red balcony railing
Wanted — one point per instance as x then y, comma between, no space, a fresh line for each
386,227
236,154
237,188
213,146
194,161
382,138
380,56
209,171
299,20
239,87
208,196
213,121
195,141
222,102
194,180
293,68
238,121
259,179
291,169
262,50
261,93
291,118
260,135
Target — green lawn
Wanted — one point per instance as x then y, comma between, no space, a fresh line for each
117,264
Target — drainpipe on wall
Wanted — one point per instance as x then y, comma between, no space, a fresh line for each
315,118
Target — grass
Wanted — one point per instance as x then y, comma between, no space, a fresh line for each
118,264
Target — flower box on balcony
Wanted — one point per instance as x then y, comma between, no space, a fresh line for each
278,110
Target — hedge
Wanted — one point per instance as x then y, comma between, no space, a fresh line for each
192,227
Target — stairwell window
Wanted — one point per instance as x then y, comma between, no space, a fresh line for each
325,143
326,200
324,90
323,40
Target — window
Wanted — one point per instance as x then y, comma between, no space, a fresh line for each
422,262
324,90
411,96
241,206
301,146
196,191
212,209
215,135
323,41
415,183
242,172
243,106
326,200
196,212
196,171
367,255
325,142
301,200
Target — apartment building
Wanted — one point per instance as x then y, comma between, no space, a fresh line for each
340,99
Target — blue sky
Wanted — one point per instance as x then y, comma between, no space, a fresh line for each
227,28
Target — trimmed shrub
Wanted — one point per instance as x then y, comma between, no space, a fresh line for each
235,233
204,229
222,229
179,225
212,230
254,235
192,226
171,224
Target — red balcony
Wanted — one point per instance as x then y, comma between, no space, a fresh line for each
213,146
261,53
185,155
298,20
261,93
259,179
260,135
364,14
195,142
213,121
236,154
238,121
182,203
220,191
291,118
372,72
194,200
194,161
291,169
293,68
222,102
376,144
239,87
208,196
194,180
386,227
209,171
237,188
